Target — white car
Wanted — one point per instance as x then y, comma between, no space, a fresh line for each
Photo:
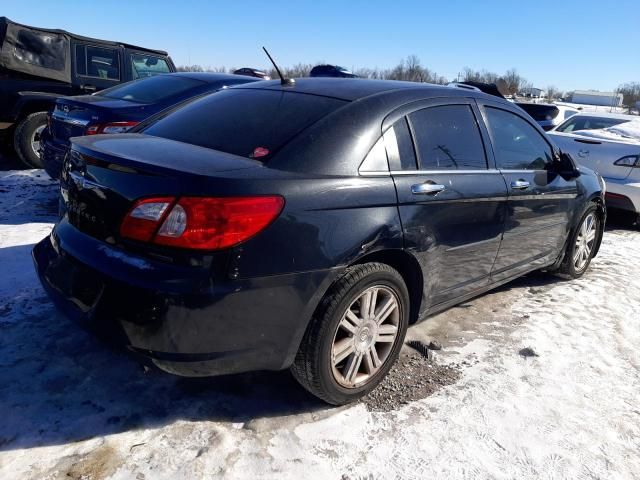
610,145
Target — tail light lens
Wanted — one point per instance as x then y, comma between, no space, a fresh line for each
113,127
201,223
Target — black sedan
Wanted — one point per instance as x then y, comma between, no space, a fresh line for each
120,108
270,226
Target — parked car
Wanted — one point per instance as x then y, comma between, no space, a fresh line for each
120,108
270,226
331,71
610,145
39,65
252,72
548,115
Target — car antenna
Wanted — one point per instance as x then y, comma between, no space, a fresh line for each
283,81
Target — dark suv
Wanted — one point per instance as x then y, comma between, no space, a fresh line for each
39,65
306,225
331,71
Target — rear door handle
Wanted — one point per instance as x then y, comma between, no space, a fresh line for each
520,184
426,188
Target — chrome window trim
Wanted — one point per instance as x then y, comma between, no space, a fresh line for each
445,172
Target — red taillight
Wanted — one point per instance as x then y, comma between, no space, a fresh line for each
113,127
201,223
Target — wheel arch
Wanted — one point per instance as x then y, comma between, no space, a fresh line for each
409,268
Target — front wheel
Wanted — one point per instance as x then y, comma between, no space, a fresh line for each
26,140
355,336
582,244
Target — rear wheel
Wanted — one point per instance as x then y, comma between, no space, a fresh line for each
27,139
582,244
355,336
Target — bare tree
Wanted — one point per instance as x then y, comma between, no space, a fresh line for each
553,93
630,94
513,81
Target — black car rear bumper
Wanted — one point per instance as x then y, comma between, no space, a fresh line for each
179,322
52,155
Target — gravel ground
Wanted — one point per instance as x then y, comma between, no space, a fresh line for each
538,379
413,377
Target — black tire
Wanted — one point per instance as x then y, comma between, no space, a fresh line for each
313,366
568,266
23,137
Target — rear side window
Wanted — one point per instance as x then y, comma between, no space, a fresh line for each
46,50
151,90
448,138
399,146
245,122
517,144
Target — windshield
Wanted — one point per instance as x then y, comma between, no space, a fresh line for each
246,122
583,122
152,89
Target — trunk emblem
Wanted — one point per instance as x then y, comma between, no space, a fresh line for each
65,108
82,183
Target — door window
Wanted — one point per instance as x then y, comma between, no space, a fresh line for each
448,138
147,66
517,144
97,62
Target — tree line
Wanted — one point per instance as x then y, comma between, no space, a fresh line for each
411,69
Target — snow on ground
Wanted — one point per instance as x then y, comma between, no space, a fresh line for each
73,408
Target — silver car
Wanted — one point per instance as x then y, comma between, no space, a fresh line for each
608,143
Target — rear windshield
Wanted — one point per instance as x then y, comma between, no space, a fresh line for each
245,122
540,112
583,122
152,89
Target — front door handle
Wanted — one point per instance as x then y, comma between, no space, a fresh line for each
426,188
520,184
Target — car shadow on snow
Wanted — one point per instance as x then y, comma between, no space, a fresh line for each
59,384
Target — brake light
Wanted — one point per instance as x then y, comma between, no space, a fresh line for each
113,127
201,223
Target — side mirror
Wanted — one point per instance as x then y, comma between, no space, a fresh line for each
566,167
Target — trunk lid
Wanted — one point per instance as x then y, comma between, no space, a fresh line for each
106,174
72,115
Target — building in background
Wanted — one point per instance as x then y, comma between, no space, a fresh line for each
594,97
532,92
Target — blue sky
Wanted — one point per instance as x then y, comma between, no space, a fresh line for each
572,44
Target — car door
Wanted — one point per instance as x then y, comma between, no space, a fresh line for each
97,67
609,159
540,200
451,199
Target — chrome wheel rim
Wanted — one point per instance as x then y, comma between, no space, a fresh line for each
35,140
365,336
585,241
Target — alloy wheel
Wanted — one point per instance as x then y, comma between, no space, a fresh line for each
585,242
365,336
35,140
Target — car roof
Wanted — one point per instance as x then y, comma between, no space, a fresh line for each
351,89
75,36
620,116
213,77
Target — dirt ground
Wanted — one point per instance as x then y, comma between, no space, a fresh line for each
539,378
